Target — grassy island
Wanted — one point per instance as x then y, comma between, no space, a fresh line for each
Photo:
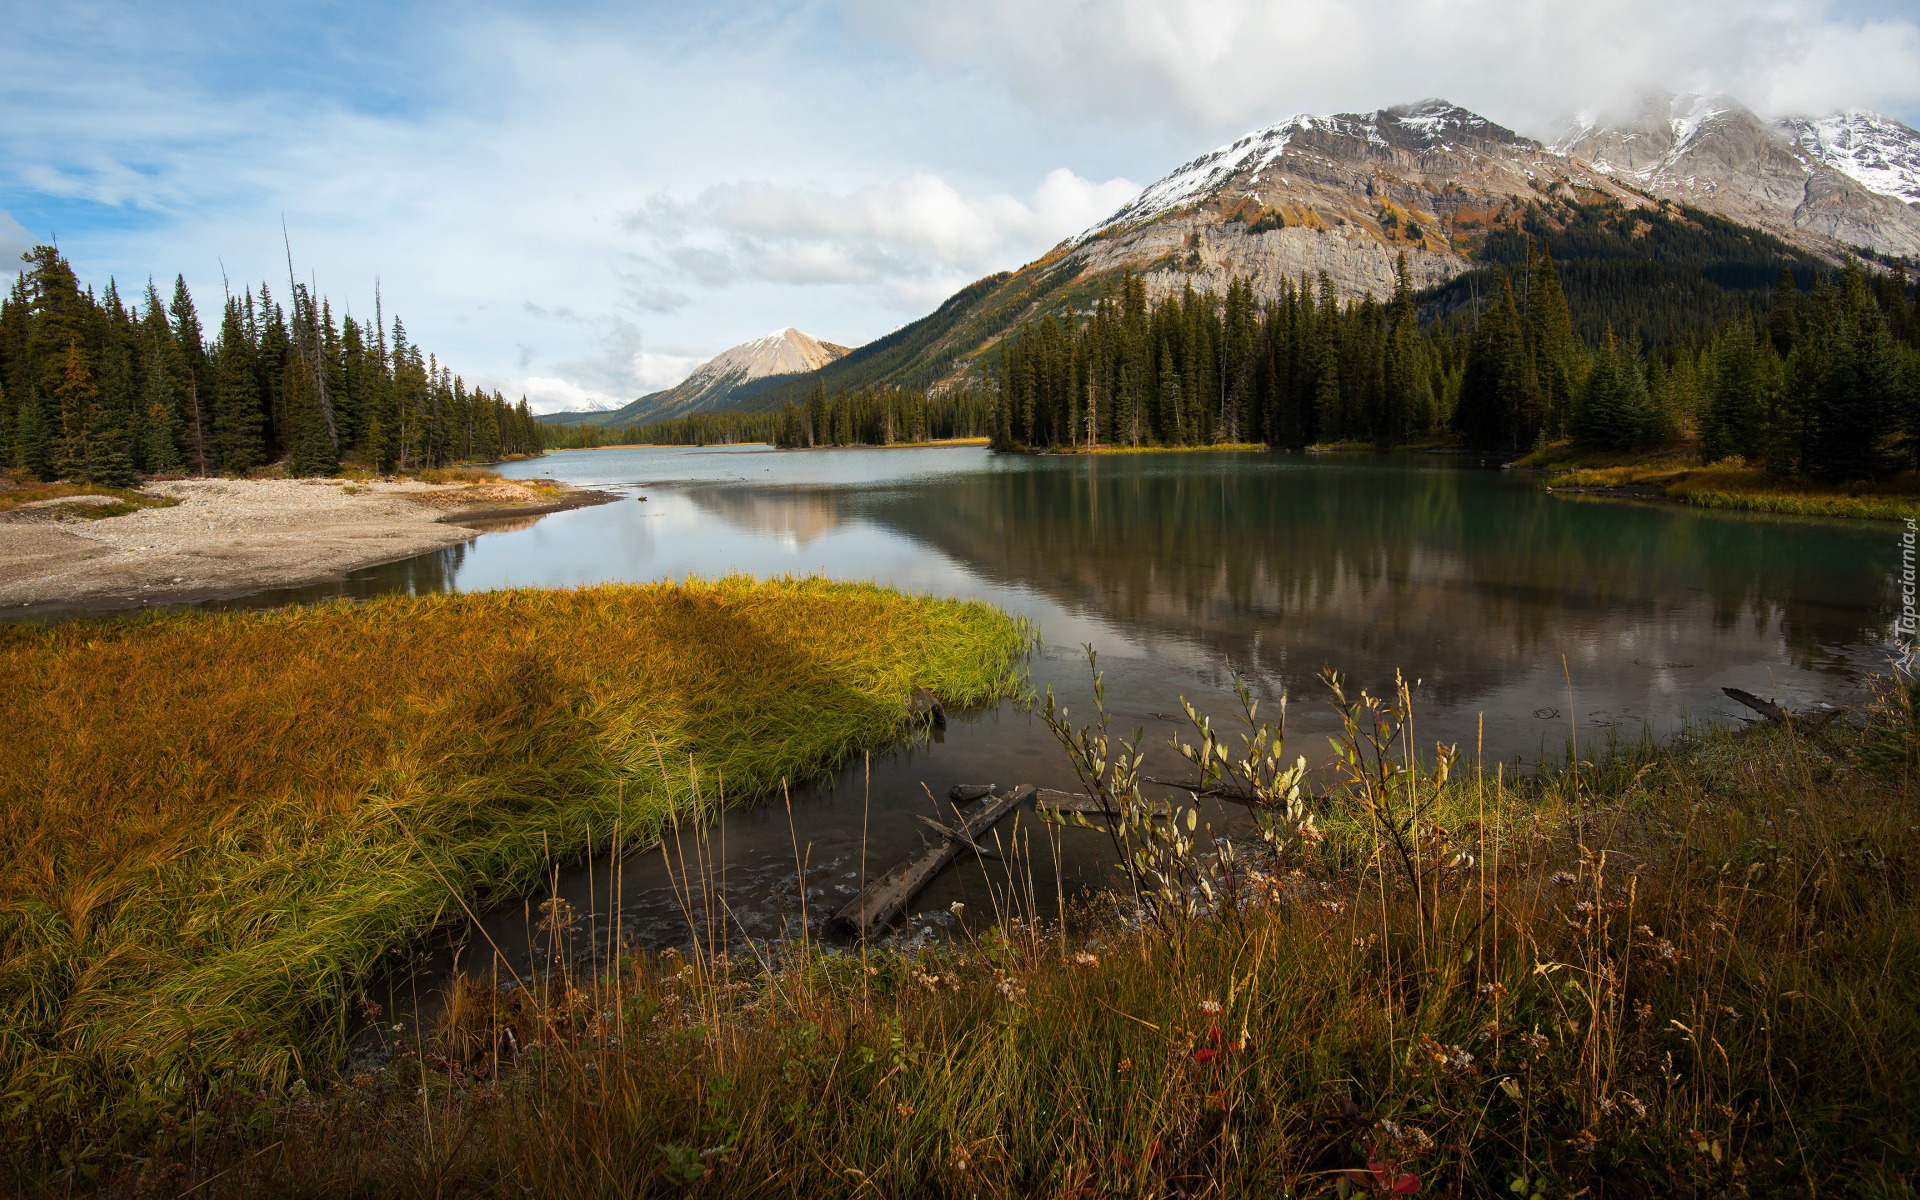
1676,472
214,825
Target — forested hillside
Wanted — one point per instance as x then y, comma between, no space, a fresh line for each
1821,383
101,389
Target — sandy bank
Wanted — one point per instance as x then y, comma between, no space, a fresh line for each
227,537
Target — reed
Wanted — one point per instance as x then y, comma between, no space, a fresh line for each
213,826
1680,971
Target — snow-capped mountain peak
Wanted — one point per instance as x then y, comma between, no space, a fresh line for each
1427,125
1875,151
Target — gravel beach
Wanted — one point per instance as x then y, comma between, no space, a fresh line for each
228,537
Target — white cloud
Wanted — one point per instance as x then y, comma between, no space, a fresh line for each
915,229
14,241
487,168
1219,66
616,369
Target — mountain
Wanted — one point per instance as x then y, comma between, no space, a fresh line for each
1878,153
1713,153
1699,204
1666,219
719,381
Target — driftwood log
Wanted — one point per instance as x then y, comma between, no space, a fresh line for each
924,703
1766,708
1078,802
1219,791
882,902
957,835
961,793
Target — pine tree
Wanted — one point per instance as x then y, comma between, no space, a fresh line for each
160,448
237,412
310,451
78,401
1614,410
1558,358
191,350
1732,424
39,455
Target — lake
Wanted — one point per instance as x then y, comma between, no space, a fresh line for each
1523,616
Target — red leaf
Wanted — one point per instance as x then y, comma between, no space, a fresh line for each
1406,1185
1205,1055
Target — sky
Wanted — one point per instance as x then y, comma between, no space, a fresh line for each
581,202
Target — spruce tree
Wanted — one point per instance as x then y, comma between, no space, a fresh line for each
191,350
237,410
78,402
1557,356
38,445
1731,426
310,451
160,433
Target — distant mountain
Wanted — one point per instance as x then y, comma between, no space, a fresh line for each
1712,152
1879,153
717,382
1669,217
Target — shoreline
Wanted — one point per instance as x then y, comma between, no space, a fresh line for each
230,537
1672,474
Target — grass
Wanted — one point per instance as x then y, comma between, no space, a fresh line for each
1683,971
15,492
213,826
1677,471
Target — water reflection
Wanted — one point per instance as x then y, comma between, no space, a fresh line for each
1472,581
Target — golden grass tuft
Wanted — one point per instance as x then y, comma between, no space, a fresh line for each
214,824
1731,484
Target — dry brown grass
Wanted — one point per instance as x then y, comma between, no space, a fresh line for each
1685,972
212,825
1730,484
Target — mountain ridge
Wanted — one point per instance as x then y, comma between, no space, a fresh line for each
1347,195
716,383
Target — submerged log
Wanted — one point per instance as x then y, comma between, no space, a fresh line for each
1078,802
1219,791
885,899
957,835
925,704
1766,708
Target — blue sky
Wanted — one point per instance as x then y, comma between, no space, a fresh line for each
580,202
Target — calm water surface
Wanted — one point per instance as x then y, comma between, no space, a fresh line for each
1179,569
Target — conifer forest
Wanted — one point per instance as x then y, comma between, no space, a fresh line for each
102,388
1818,382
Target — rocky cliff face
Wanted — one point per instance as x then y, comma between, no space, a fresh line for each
1345,194
1876,152
1713,153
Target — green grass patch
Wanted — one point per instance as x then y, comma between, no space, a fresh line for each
212,825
